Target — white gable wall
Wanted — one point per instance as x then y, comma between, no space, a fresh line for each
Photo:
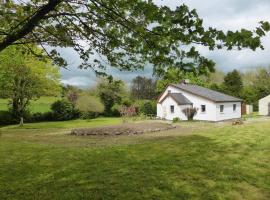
209,115
164,110
212,112
263,105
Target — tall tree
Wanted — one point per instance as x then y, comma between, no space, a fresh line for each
24,78
262,82
143,88
233,83
124,34
111,92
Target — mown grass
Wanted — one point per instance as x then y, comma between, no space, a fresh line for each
78,123
41,105
193,161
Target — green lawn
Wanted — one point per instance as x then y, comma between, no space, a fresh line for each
193,161
41,105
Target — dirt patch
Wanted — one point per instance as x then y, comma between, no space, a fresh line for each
124,129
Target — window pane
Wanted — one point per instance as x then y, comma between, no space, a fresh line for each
234,107
172,109
221,108
203,108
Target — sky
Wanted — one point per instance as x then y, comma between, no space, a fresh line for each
224,15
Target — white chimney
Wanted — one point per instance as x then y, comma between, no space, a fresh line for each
185,82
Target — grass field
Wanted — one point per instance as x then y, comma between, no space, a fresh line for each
193,161
41,105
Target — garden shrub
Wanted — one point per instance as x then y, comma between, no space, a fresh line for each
176,119
63,110
190,112
115,110
6,118
41,117
89,115
146,107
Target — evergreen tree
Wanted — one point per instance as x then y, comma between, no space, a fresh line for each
233,83
111,92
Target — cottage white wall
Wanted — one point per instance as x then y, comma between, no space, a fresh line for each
263,105
212,109
228,112
208,115
159,111
172,89
164,110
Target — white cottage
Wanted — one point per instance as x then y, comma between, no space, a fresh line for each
264,106
211,105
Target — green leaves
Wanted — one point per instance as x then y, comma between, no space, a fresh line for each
265,26
124,34
23,77
260,32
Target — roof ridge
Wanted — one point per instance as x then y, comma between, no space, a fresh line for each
207,93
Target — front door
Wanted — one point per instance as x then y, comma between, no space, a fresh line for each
268,109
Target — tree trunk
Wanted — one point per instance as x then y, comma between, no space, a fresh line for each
21,121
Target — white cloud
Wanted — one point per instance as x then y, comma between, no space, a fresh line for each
78,81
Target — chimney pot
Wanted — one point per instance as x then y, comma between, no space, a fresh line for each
185,82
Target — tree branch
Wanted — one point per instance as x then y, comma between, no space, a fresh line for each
30,24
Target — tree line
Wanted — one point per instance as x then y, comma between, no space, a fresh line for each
123,34
25,78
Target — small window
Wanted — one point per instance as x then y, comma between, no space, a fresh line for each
203,108
234,107
172,109
169,91
221,108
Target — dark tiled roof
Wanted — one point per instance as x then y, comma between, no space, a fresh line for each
207,93
178,97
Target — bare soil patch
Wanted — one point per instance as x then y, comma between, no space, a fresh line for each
124,129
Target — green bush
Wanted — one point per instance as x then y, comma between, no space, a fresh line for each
89,115
176,119
7,118
190,112
41,117
146,107
115,110
63,110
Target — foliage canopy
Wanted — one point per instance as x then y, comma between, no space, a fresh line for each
24,78
124,34
87,103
